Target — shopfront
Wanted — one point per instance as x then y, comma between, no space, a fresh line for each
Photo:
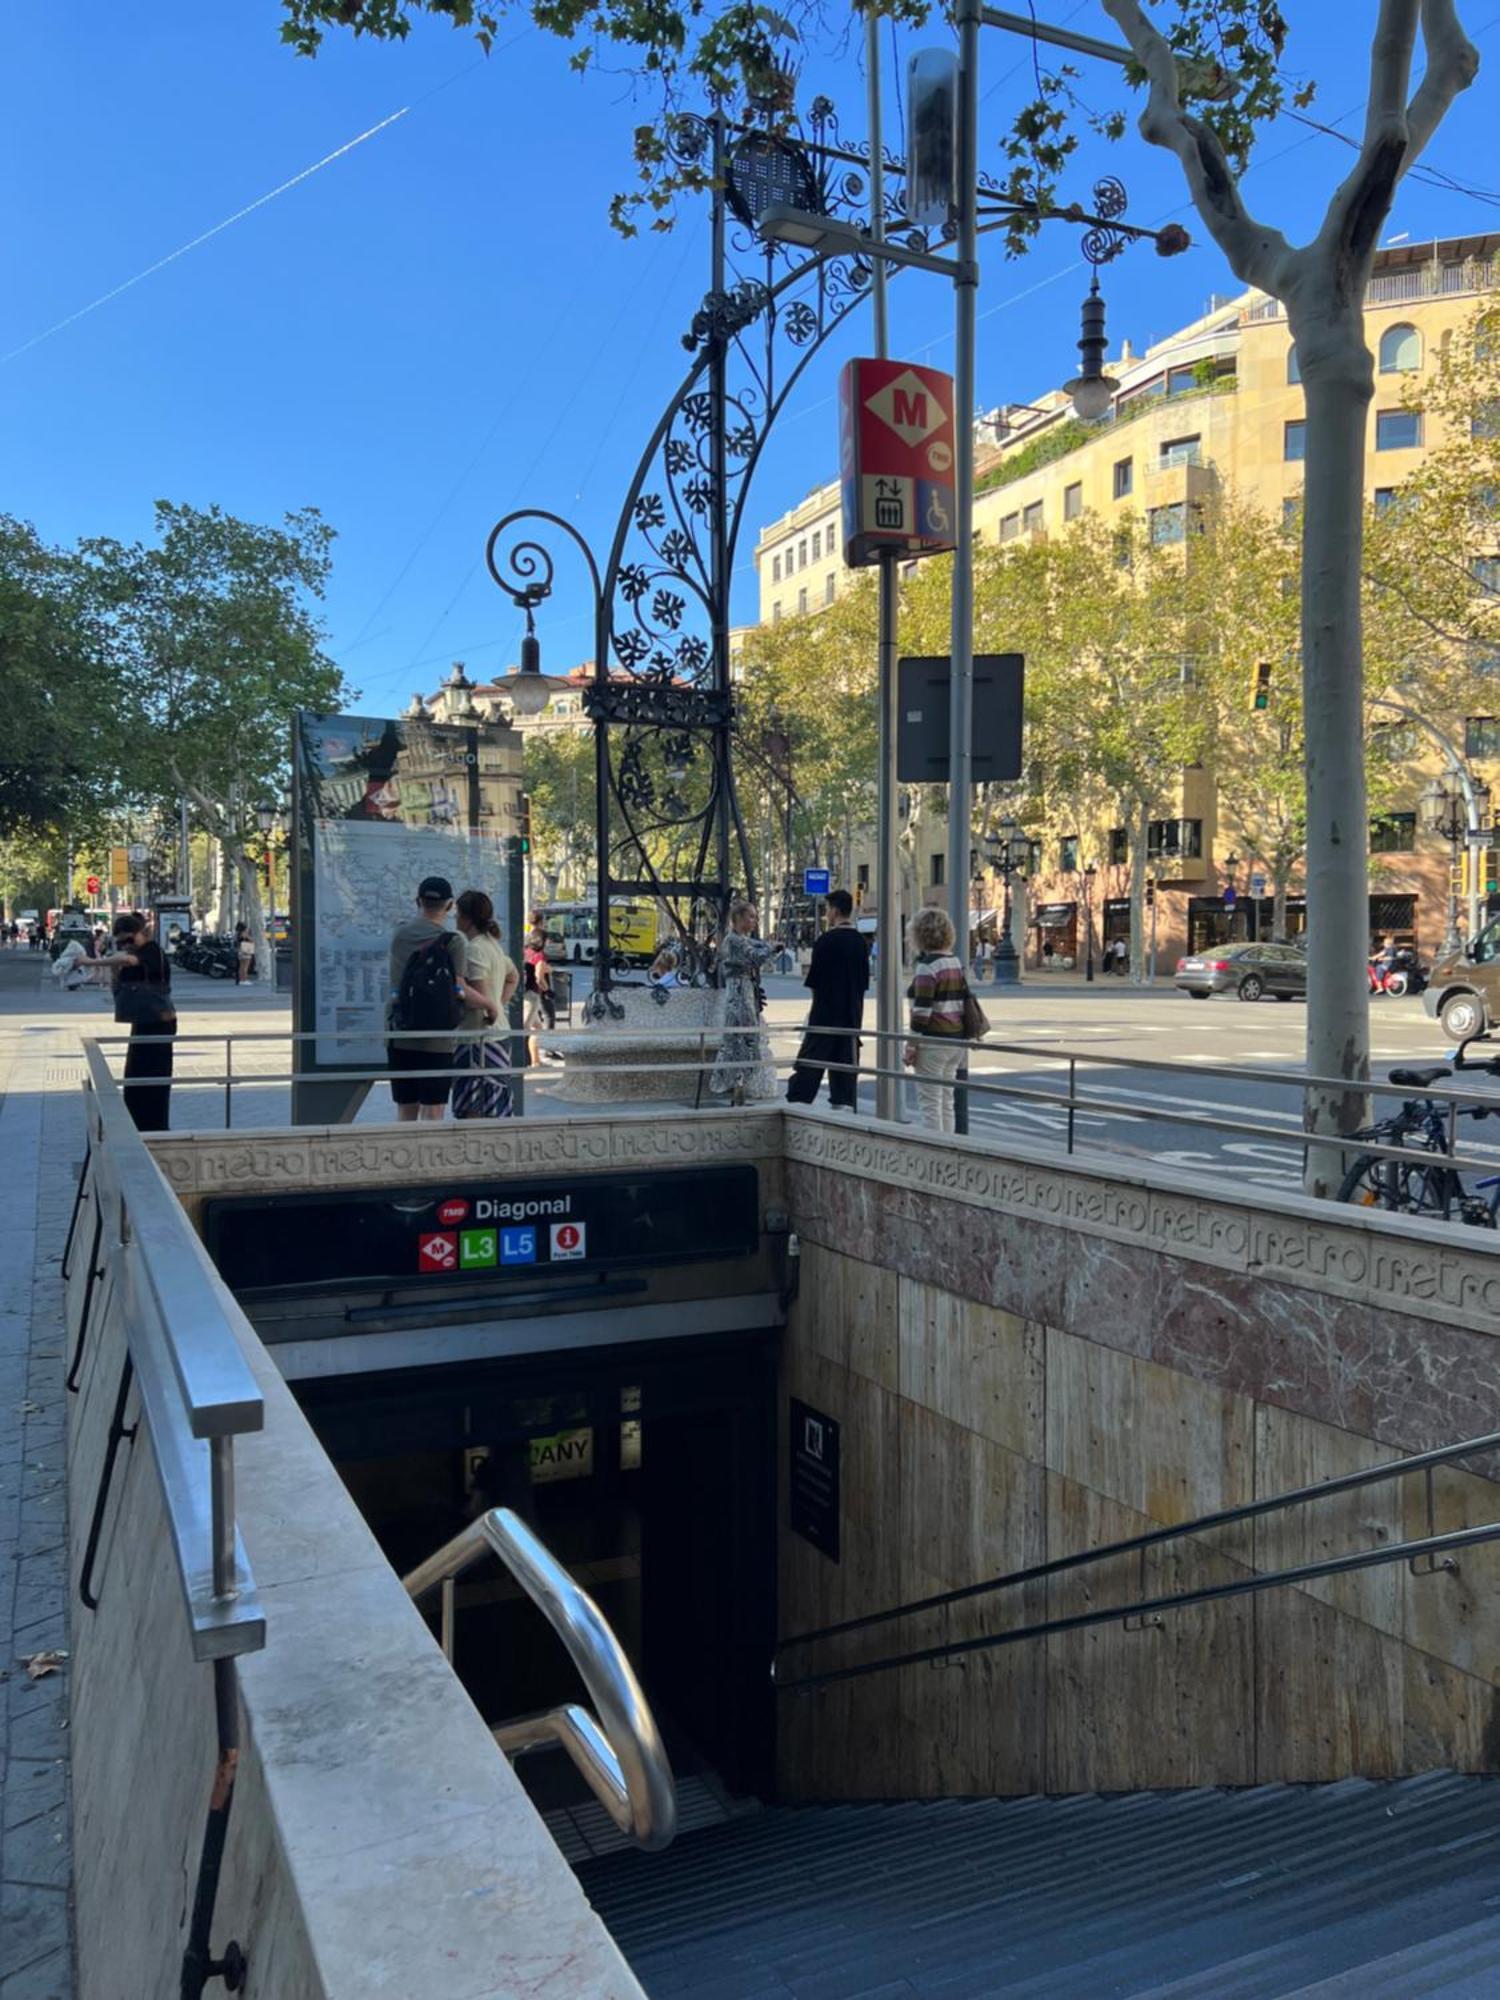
1054,930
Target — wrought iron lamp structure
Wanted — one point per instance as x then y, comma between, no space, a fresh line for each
668,820
1460,814
1009,853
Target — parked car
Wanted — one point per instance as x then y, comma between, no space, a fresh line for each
1463,988
1248,970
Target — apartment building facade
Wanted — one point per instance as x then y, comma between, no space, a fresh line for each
1215,405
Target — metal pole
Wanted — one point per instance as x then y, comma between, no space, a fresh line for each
184,851
887,861
961,677
719,579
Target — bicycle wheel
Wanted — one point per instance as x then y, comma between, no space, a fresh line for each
1402,1187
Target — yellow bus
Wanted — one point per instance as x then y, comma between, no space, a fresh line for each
571,930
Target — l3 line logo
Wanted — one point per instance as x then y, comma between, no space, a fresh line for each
485,1249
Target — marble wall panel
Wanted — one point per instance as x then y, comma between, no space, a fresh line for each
1455,1615
1293,1451
1450,1720
1167,1705
846,1311
973,1363
1155,1440
1330,1694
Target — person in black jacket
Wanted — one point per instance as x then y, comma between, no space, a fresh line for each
839,977
143,1001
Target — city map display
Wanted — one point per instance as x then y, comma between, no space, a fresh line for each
365,880
380,804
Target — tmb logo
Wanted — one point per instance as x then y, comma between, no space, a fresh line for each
451,1213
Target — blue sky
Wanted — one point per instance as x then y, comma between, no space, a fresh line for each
440,325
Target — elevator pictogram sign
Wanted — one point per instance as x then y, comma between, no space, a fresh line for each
896,450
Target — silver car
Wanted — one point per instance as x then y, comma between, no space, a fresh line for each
1250,971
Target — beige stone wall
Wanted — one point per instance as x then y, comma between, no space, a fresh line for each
977,1439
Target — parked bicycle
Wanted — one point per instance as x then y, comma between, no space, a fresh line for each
1423,1125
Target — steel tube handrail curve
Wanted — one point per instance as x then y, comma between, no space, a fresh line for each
619,1750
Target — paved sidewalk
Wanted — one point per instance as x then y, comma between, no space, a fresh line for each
41,1137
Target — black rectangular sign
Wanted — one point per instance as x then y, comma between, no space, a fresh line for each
491,1230
922,726
815,1478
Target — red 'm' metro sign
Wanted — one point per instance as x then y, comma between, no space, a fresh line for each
896,446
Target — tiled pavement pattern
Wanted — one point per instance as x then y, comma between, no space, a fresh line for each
40,1143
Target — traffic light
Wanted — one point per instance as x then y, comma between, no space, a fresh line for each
523,808
1260,688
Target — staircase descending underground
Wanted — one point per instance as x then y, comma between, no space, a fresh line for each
1349,1891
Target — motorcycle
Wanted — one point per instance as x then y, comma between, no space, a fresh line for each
1405,975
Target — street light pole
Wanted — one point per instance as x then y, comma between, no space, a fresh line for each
1088,923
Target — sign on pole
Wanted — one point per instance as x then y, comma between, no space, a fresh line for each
94,885
896,452
119,868
816,881
922,742
1231,896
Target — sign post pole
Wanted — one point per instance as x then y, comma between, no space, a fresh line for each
960,712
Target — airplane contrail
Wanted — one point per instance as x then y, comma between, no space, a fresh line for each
217,230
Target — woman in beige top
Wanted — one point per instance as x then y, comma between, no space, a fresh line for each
484,1090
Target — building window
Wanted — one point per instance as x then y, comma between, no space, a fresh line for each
1482,736
776,569
1291,508
1293,365
802,599
802,555
1010,527
1400,350
1485,571
862,875
1385,499
1294,439
1398,430
1031,520
1485,422
1124,476
935,876
1073,500
1124,551
1181,838
1067,854
1168,524
1187,670
817,544
1119,847
830,585
776,612
1180,380
1182,451
1394,833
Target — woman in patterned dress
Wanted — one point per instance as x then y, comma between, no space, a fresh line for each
744,1064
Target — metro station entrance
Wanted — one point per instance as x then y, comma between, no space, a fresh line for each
648,1470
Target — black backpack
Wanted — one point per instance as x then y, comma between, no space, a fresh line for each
428,998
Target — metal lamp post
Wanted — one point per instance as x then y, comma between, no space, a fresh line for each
1445,811
1089,873
1009,850
1154,880
1231,893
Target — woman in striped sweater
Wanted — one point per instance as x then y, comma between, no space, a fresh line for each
937,994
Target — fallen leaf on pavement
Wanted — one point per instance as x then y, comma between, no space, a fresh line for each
38,1665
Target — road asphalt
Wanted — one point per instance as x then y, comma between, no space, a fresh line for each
1146,1060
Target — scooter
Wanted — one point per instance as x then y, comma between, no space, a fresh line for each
1407,975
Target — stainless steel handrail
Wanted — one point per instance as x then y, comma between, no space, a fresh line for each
1225,1517
619,1751
196,1388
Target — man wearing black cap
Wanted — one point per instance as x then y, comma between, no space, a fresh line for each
424,1096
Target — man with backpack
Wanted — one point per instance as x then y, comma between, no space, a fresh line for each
429,964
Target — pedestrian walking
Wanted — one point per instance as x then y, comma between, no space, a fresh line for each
484,1091
743,1070
838,977
937,993
244,955
143,1002
428,972
540,1007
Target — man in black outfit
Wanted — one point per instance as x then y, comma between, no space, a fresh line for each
839,976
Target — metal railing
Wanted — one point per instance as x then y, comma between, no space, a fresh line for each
620,1758
1437,1551
196,1390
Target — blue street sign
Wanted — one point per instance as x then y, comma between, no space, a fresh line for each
816,881
1257,885
1229,897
